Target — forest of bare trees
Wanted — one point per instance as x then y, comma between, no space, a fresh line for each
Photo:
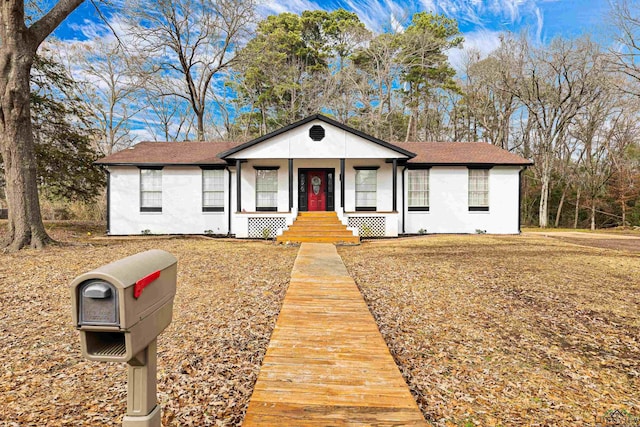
191,70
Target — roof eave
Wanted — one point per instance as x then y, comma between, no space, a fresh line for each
156,164
465,164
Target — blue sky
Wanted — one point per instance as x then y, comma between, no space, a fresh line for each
544,19
481,21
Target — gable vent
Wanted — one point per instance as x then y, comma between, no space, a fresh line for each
316,132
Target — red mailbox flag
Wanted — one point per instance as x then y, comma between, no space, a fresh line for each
144,282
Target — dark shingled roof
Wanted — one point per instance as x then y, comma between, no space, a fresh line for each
461,153
170,153
206,153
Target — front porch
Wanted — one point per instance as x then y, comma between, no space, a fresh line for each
270,225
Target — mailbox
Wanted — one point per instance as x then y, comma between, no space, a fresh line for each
120,308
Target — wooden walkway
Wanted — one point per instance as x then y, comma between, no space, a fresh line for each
327,364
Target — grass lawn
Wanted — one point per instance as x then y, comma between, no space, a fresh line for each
507,330
487,330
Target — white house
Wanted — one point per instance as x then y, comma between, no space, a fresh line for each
316,164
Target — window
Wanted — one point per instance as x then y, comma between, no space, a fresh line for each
150,190
366,181
478,189
266,190
212,190
419,190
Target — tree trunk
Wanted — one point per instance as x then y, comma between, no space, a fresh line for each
593,214
18,151
200,131
575,218
544,201
623,205
559,212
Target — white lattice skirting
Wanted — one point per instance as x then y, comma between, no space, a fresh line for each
266,227
369,226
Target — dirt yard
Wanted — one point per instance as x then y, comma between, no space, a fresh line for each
229,294
617,241
487,330
511,331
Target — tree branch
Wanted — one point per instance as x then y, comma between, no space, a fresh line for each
41,29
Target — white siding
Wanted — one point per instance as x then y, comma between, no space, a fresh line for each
384,188
182,199
337,143
181,204
449,210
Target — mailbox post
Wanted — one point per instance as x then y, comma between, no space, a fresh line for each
120,309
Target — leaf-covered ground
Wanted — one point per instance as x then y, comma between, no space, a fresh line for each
487,330
507,330
229,294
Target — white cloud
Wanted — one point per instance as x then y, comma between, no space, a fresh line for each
481,41
267,7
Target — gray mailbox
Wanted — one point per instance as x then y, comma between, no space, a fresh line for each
120,309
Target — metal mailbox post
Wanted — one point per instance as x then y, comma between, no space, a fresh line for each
120,309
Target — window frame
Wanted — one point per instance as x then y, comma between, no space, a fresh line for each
258,191
212,208
419,208
144,208
481,207
360,169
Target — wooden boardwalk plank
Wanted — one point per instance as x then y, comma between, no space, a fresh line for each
327,364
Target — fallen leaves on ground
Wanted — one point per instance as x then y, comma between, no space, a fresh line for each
228,297
507,330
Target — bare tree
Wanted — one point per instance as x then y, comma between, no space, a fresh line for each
492,106
167,117
109,83
625,17
193,39
556,83
18,45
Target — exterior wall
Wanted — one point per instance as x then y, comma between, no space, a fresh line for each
384,188
448,203
337,143
182,200
181,204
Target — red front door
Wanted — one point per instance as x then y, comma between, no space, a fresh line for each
316,190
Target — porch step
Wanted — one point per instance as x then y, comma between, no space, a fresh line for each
354,240
319,227
309,233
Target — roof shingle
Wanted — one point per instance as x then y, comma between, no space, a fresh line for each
462,153
206,153
170,153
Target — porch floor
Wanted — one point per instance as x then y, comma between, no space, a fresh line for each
327,363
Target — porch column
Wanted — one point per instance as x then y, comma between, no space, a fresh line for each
394,181
239,184
290,184
342,184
